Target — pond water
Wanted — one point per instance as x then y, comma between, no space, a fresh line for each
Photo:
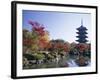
61,63
72,63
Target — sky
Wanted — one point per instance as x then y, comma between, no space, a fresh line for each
61,25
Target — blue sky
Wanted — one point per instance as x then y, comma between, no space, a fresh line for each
59,24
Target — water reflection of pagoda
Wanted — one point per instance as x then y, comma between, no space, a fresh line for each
82,34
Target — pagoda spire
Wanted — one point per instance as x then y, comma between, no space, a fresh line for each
81,22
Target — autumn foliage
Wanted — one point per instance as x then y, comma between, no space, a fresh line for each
38,38
82,47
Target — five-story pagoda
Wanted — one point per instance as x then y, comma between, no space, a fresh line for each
82,34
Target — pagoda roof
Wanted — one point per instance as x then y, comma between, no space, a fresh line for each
82,36
82,32
82,28
82,41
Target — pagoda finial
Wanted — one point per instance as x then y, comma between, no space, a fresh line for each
81,22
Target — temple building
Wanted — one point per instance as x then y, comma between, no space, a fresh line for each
82,34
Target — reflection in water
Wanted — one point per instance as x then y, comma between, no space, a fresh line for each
60,63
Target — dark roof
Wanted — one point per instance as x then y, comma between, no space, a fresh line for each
81,28
82,41
82,36
82,32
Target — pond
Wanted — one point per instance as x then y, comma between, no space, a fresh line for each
65,62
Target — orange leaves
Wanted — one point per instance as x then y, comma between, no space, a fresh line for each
42,34
42,43
82,47
58,45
